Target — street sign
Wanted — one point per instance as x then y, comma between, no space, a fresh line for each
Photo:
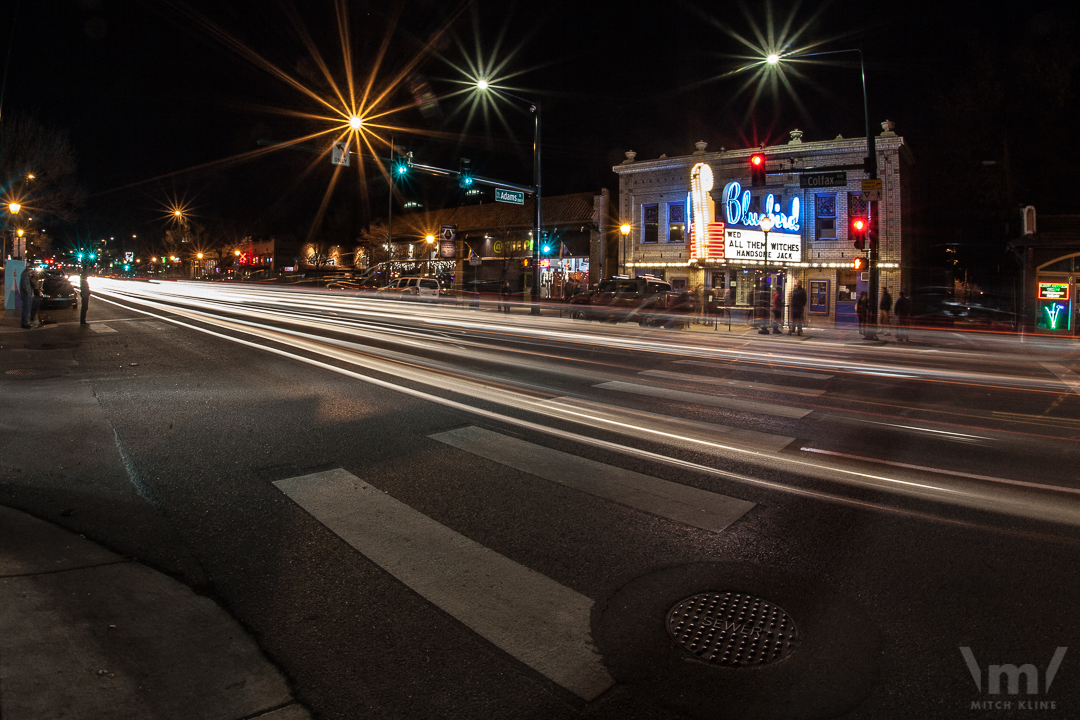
871,190
823,180
339,154
514,197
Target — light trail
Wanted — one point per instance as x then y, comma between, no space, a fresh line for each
403,368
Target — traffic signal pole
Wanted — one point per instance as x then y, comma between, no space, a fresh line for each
872,214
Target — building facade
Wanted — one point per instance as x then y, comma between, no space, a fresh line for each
1049,255
810,191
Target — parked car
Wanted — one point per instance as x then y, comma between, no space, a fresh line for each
57,291
411,288
645,300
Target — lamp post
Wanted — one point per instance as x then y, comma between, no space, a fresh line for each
766,225
625,230
534,108
871,173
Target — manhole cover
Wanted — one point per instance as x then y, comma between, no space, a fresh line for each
20,371
731,629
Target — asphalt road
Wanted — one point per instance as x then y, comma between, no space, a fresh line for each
431,511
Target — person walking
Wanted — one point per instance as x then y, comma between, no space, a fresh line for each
777,311
798,307
504,297
761,310
84,291
885,308
903,317
862,307
29,294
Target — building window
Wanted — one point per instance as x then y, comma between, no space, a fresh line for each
676,222
650,223
825,217
856,205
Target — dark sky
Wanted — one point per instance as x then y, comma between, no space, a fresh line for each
150,92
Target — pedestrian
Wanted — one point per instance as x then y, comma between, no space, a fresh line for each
29,294
777,311
862,306
699,306
761,310
798,307
84,291
885,308
504,297
903,317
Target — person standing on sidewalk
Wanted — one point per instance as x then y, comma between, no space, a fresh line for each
903,317
886,308
798,307
504,298
777,311
862,306
84,291
29,292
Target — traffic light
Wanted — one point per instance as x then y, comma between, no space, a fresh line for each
872,232
859,264
757,170
401,164
465,174
858,232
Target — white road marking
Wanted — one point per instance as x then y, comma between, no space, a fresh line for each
755,368
1066,376
699,508
530,616
708,437
98,327
702,398
742,384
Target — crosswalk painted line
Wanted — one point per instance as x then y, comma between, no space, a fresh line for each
1067,376
724,382
98,327
699,508
756,368
663,428
528,615
730,403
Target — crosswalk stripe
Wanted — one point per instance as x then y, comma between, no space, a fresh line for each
699,508
755,368
723,401
528,615
98,327
1067,376
766,387
662,428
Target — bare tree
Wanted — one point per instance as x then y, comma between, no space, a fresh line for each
37,168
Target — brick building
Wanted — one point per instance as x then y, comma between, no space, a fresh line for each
813,190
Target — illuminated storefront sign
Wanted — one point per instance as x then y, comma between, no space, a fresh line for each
706,235
1053,291
744,241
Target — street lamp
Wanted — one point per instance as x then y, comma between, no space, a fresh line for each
534,108
14,208
624,229
871,172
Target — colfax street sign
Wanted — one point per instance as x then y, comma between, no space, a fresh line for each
514,197
823,180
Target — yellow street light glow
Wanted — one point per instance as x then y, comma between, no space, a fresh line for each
482,84
236,252
177,213
20,232
14,207
772,58
624,228
430,239
30,176
355,122
199,256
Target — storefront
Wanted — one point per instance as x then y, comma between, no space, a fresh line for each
1050,273
807,196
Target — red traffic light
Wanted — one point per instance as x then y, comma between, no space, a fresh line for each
757,170
858,224
757,160
858,232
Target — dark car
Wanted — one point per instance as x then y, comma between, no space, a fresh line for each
645,300
57,291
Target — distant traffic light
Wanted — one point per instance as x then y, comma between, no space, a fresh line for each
757,170
465,174
401,164
859,227
872,232
859,264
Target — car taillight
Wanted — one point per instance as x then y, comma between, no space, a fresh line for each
416,291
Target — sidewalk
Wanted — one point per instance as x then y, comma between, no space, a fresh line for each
87,633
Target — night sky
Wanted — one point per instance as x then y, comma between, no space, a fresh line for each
151,90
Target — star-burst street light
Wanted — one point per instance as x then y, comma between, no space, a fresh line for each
483,85
775,60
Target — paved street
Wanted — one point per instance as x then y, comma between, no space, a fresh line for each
442,512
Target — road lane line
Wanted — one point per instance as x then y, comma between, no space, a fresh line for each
924,468
742,384
528,615
665,428
750,406
699,508
1067,376
738,366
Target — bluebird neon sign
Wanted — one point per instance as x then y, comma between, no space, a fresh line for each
737,210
